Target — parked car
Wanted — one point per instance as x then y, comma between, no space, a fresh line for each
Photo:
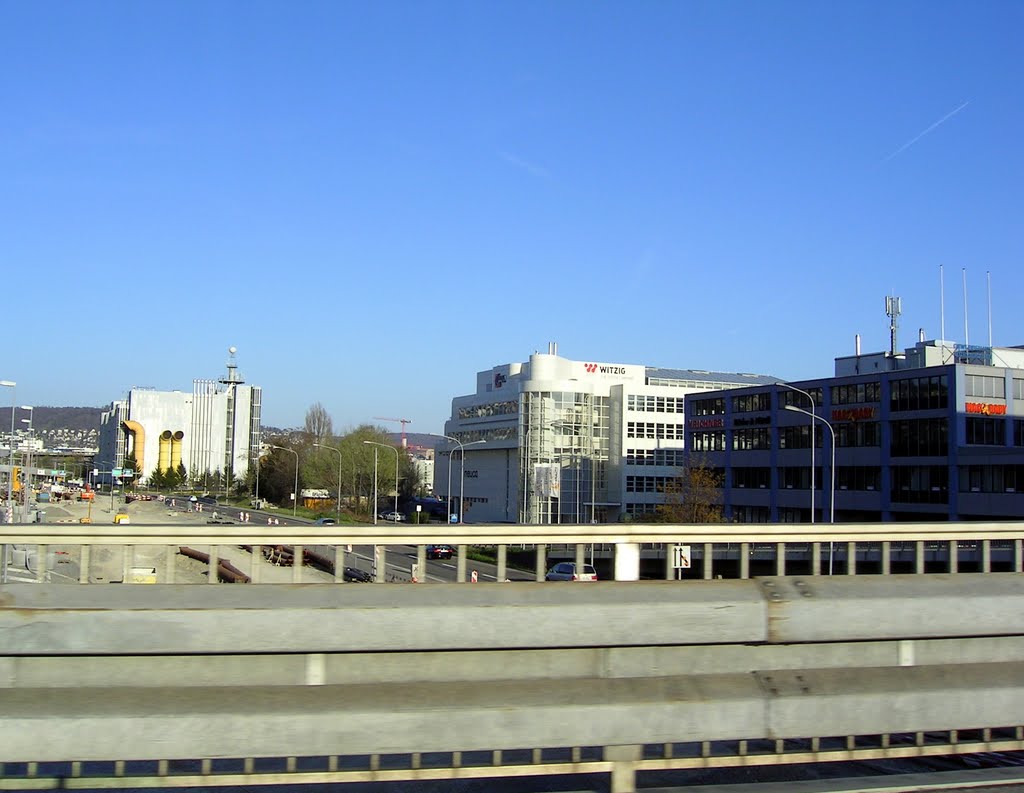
357,576
440,551
325,522
567,571
391,515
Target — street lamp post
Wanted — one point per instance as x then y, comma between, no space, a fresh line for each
374,510
832,470
375,443
813,440
9,515
462,483
28,458
295,495
334,449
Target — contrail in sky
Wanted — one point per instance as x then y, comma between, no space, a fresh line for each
942,120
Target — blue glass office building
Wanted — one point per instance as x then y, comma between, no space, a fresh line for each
933,433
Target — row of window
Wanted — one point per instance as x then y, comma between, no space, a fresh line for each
919,393
981,385
655,404
910,437
991,478
506,408
751,438
650,484
909,484
671,457
709,407
655,431
749,403
857,393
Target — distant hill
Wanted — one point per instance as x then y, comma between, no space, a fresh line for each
47,419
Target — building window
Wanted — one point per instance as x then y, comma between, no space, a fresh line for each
858,477
1018,432
983,431
749,403
991,478
1018,388
637,510
919,393
751,477
744,514
708,441
799,437
919,438
655,431
709,407
982,385
789,397
675,458
653,404
793,477
751,438
856,393
920,484
858,433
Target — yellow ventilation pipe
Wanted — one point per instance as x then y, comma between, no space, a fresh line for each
165,450
139,446
176,449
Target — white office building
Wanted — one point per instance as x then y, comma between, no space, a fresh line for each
553,440
213,428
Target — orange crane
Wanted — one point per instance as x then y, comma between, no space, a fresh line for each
403,422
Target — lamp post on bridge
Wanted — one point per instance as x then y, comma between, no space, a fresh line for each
334,449
395,450
295,495
9,513
832,470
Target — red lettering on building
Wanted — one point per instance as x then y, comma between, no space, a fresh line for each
985,408
706,424
853,414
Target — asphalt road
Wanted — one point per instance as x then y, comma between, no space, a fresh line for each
107,562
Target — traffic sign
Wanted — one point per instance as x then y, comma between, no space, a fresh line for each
681,557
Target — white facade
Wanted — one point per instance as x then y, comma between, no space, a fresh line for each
215,427
555,440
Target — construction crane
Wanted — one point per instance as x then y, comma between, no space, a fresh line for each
403,422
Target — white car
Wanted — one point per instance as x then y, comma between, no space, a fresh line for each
391,515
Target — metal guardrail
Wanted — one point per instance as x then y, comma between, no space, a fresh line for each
718,550
167,686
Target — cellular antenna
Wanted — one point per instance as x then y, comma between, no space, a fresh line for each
893,309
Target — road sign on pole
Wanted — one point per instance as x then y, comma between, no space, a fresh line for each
681,557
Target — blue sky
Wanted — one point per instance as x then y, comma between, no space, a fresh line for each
373,201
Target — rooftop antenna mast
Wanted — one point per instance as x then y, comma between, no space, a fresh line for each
893,309
967,338
942,306
988,276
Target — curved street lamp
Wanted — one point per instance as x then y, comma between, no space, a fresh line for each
813,438
395,450
832,470
9,515
462,483
295,495
334,449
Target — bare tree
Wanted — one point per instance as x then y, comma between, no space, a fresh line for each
319,426
694,496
